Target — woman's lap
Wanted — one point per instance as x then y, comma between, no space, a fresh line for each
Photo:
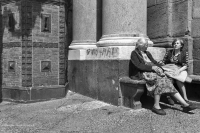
160,86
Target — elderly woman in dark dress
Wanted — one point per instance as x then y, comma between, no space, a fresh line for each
143,66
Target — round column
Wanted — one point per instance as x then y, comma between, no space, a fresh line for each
124,22
84,24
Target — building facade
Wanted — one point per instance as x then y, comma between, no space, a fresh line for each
94,46
33,49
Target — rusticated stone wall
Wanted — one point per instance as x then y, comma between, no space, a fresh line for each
196,36
168,18
27,46
11,46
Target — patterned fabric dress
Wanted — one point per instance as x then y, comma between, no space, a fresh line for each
157,83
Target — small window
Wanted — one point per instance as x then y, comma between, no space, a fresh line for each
11,66
11,22
45,66
46,23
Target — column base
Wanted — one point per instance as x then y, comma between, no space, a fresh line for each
85,44
82,46
121,40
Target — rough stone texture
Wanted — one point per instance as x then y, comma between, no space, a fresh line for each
196,49
12,78
179,25
45,78
34,94
196,57
121,16
151,3
63,51
28,46
170,18
97,79
157,21
195,28
47,37
196,9
8,36
196,70
130,92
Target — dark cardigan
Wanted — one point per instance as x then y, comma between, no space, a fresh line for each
182,59
137,64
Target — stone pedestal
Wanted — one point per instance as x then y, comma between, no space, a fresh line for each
96,72
86,25
124,22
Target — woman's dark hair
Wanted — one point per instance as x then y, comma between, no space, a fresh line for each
181,41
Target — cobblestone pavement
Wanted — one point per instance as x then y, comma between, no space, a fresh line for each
80,114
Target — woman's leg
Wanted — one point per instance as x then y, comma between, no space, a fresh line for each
180,99
182,88
156,101
186,107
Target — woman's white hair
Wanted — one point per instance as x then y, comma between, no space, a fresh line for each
141,42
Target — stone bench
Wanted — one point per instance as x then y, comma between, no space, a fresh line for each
131,91
195,78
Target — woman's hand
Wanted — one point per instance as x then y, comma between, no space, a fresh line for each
158,70
177,72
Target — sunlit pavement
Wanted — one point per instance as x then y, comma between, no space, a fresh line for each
80,114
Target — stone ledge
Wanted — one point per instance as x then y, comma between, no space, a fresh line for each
35,94
195,78
132,81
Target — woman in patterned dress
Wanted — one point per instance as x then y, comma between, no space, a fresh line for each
143,66
179,57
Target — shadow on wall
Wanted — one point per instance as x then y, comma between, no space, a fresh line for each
18,29
21,29
1,48
68,10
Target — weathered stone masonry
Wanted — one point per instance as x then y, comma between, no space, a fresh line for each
94,66
36,42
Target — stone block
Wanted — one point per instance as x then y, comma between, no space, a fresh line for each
196,9
196,49
131,91
151,3
195,28
47,93
35,94
161,1
157,21
179,21
196,70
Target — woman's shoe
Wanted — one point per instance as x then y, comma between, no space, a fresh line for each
158,111
187,101
170,101
189,108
